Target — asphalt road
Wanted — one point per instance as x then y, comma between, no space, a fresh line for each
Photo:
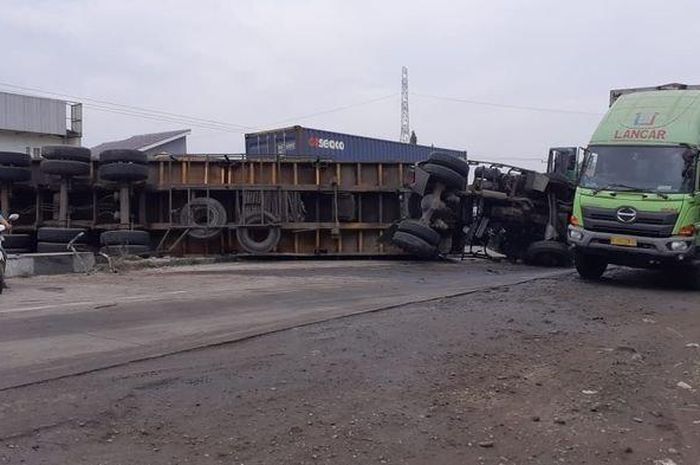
55,326
552,371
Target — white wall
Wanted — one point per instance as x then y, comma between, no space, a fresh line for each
18,142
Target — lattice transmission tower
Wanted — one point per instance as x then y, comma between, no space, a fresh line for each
405,122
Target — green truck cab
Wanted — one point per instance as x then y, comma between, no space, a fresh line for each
637,199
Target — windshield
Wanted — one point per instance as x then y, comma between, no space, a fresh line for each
644,169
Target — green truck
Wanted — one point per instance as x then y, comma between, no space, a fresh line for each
637,200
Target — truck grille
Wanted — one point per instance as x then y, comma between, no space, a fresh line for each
647,224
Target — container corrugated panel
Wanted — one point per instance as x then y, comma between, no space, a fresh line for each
314,143
32,114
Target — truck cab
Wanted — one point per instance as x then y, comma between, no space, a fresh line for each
637,200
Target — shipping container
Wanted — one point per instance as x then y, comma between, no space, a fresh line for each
307,143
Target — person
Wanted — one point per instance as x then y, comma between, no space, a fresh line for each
4,222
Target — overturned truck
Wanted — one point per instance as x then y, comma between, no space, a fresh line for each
460,206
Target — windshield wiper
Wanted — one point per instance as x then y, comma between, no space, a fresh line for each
660,194
615,187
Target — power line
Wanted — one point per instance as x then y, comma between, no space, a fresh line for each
507,106
133,108
331,110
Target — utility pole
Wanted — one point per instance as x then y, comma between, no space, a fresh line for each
405,122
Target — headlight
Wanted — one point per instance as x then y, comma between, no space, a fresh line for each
678,246
575,235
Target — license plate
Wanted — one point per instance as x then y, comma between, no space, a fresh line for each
623,241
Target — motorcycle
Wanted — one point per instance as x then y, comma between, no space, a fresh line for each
3,254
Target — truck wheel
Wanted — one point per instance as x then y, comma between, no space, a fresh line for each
15,159
18,241
548,253
123,172
590,267
445,175
421,230
414,245
450,161
125,238
66,152
123,156
59,247
122,250
60,235
64,167
14,174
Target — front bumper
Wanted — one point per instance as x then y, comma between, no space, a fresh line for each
650,251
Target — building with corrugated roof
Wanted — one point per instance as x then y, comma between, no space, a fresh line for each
27,123
159,143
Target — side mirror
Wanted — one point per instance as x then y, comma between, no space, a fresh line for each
13,217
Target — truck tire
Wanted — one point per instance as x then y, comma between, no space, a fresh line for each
66,152
205,212
14,174
450,161
589,267
19,159
548,253
414,245
18,241
64,167
60,235
121,250
123,156
125,238
267,241
123,172
59,247
18,251
445,175
421,230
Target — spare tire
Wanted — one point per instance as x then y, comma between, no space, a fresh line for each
421,230
548,253
251,240
445,175
66,152
414,245
123,156
123,172
14,174
205,212
61,235
125,238
450,161
118,250
15,159
17,241
64,167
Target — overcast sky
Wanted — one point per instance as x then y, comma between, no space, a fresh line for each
263,64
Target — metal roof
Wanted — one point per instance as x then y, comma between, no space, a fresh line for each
142,141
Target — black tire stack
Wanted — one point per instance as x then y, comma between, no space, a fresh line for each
15,167
56,240
65,161
125,242
123,166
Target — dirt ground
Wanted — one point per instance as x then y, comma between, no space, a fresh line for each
552,371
